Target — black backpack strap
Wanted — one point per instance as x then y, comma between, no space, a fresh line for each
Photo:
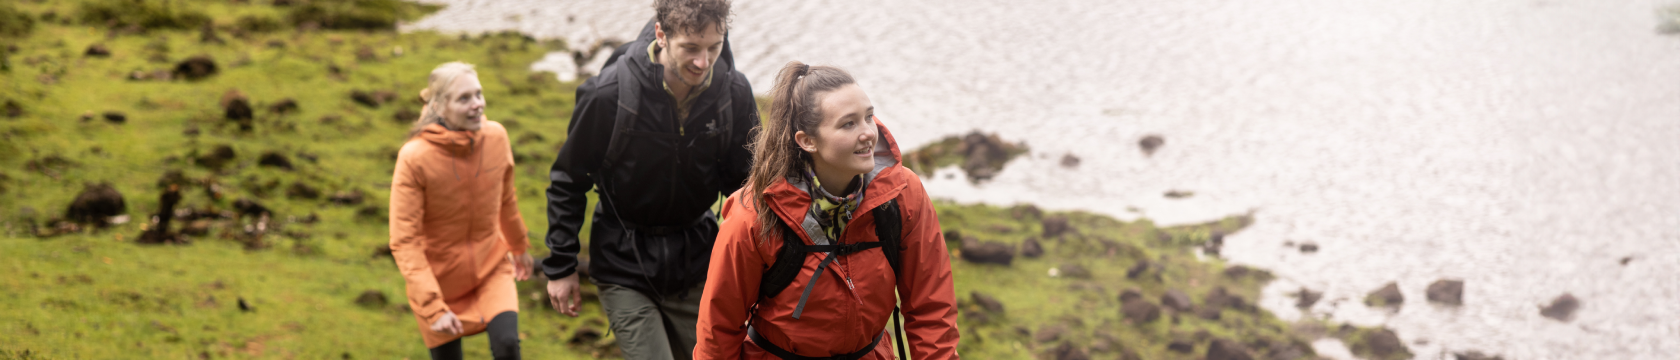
787,265
629,102
889,230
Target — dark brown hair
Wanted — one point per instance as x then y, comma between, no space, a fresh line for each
691,16
793,108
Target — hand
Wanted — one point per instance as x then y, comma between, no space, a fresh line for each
521,266
447,324
563,295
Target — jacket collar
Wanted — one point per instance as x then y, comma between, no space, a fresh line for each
458,143
791,199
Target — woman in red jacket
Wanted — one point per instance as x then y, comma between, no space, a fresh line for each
826,166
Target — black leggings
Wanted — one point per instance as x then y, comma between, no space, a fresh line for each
504,340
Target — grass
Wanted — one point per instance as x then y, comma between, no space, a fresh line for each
97,294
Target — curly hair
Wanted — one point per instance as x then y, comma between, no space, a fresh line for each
692,16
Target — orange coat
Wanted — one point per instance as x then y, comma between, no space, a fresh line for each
453,224
838,319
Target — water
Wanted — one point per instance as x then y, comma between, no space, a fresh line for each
1523,146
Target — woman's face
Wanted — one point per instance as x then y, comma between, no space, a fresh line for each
844,145
463,109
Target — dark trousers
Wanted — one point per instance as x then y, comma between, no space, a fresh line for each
504,340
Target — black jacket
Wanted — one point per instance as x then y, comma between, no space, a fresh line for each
663,183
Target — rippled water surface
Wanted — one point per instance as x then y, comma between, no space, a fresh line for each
1524,146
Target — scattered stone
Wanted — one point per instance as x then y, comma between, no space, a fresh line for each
1176,300
1050,333
1055,226
97,50
987,302
1222,349
372,299
1475,355
1140,311
159,232
405,115
96,205
1450,292
986,252
1182,346
12,109
1562,308
218,157
371,213
1025,211
1237,271
1130,294
584,335
1309,247
115,117
1388,295
245,307
299,190
1178,194
1624,261
347,197
276,160
312,218
1306,298
1220,298
1067,351
1139,269
373,99
196,68
1151,142
1031,248
382,251
1382,343
239,110
248,207
1070,161
284,106
1075,271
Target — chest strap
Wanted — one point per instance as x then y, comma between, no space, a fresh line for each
788,355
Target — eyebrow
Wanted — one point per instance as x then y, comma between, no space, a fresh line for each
865,111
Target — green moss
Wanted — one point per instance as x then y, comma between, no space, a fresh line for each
142,14
14,23
356,14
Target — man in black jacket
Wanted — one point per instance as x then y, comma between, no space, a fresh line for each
660,135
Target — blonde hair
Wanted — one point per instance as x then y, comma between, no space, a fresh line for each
436,84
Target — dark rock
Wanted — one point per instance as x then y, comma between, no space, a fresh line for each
1475,355
1388,295
373,99
1450,292
371,213
987,302
405,115
1181,346
245,307
382,251
348,197
585,335
1236,271
159,233
1306,298
1384,344
276,160
1624,261
1025,211
1562,308
97,50
1178,194
1309,247
1220,298
1176,300
238,110
1067,351
976,251
1030,248
1222,349
195,68
1150,143
1140,311
1075,271
173,178
1129,295
1050,333
1055,226
285,106
115,117
372,299
985,154
312,218
96,204
248,207
1104,342
12,109
218,157
299,190
1138,269
1070,161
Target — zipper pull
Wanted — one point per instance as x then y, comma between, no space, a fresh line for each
849,283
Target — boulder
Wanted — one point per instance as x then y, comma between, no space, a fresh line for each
1562,308
987,302
284,106
1309,247
372,299
1222,349
1176,300
1070,161
195,68
115,117
1388,295
1150,143
1306,298
1129,295
1055,226
1383,344
218,157
275,160
1140,311
985,252
1031,248
1182,346
96,205
1450,292
97,50
238,110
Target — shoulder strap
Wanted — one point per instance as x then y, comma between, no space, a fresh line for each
629,102
889,229
889,225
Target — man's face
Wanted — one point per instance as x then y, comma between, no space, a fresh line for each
688,55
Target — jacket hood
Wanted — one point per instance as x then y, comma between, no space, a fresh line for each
790,198
458,143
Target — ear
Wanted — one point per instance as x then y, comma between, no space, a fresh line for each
806,141
659,33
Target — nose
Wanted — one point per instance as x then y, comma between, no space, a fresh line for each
701,63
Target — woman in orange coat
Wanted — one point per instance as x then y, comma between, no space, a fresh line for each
824,163
456,232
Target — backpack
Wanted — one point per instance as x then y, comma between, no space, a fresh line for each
889,226
630,97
